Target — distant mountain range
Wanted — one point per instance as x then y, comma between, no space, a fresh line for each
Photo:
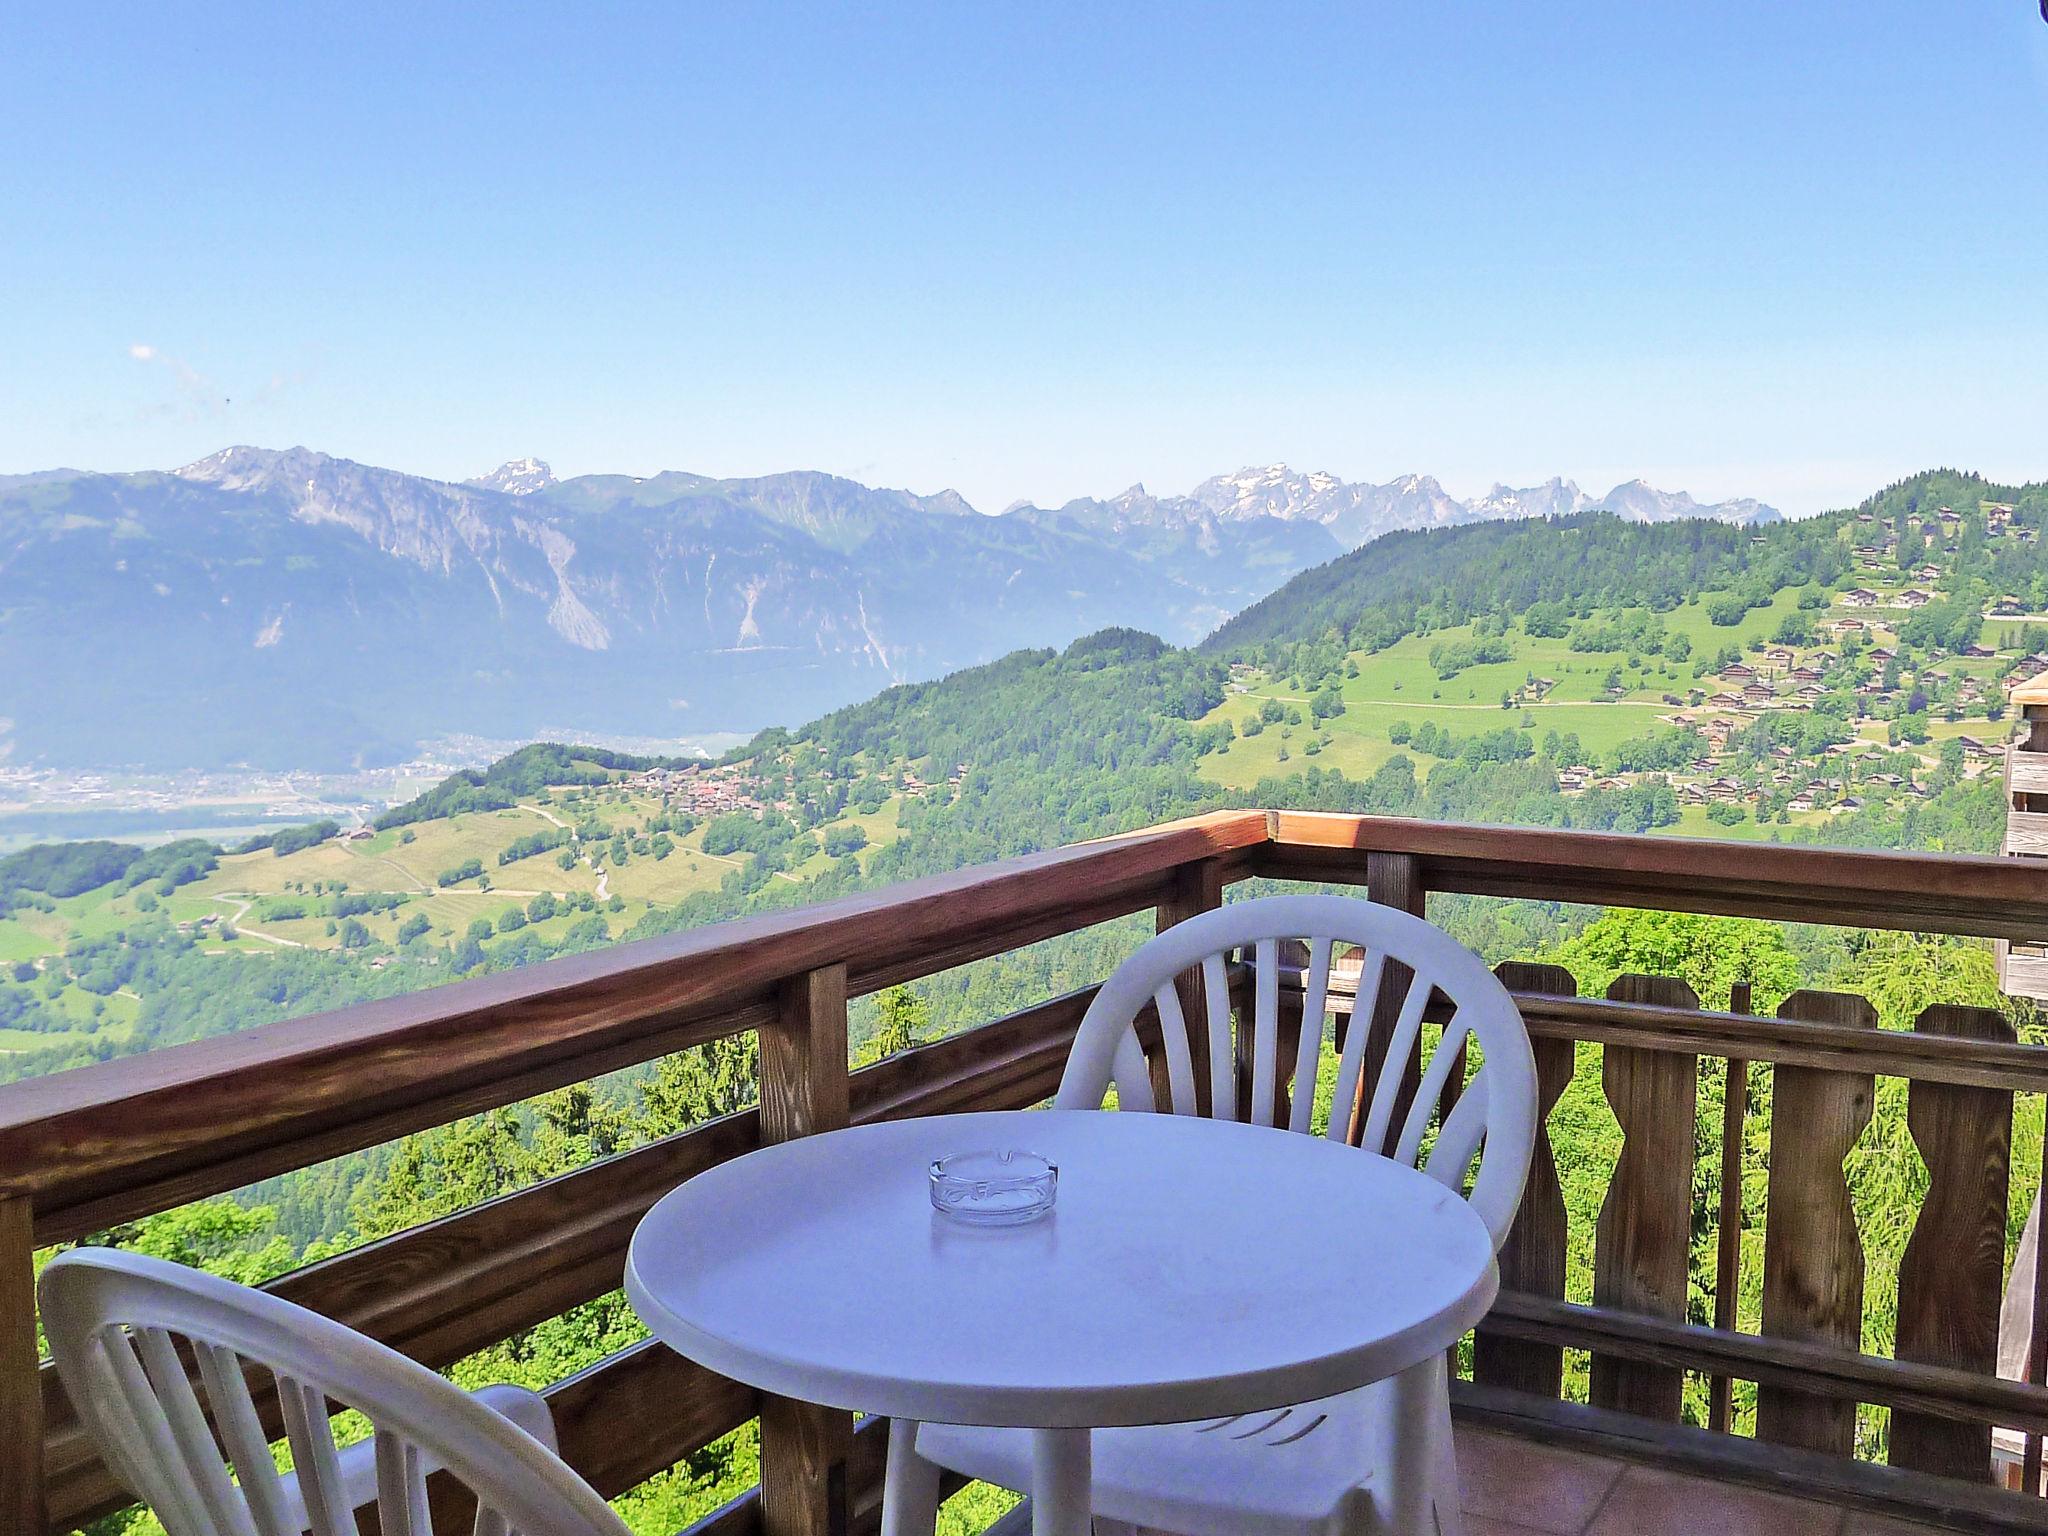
284,608
1355,514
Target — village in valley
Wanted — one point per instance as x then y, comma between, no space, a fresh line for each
1818,704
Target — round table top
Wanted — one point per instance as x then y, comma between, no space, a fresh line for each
1189,1268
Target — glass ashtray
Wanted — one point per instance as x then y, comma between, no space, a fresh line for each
994,1189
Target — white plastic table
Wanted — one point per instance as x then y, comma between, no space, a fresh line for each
1191,1268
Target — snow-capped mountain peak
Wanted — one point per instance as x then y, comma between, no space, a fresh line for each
1354,514
1555,497
517,477
243,467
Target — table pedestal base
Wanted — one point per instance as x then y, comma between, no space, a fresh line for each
1060,1478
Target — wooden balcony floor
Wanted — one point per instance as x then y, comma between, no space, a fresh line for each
1516,1487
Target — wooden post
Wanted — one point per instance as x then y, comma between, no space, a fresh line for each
1393,880
1194,889
804,1091
21,1389
1953,1270
1728,1238
1533,1257
1813,1254
1642,1245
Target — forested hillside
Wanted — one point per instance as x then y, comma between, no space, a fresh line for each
1425,579
1431,578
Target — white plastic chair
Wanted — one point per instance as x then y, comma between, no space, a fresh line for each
115,1321
1332,1467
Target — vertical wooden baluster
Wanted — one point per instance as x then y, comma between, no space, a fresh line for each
1393,880
804,1091
1642,1246
1728,1240
1194,889
1533,1257
1953,1270
1813,1254
21,1389
2037,1336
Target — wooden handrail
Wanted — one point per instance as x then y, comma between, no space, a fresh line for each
1920,892
1788,1042
114,1141
124,1138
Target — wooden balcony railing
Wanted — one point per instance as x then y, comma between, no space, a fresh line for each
84,1150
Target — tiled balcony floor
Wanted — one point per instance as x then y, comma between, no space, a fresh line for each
1518,1488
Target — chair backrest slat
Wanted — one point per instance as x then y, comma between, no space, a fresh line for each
234,1417
1458,1141
311,1438
1180,1065
1222,1049
1447,1059
401,1489
154,1447
1493,1118
1265,1030
1351,1063
1134,1079
224,1510
1308,1052
1401,1047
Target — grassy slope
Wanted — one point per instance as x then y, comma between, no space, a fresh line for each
1399,684
387,864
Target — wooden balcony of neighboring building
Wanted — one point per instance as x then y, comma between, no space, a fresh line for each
2023,966
83,1151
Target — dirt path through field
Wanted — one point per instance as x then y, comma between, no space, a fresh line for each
243,904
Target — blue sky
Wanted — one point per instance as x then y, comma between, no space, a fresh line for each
1785,250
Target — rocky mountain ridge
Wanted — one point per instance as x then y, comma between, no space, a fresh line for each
1356,513
287,608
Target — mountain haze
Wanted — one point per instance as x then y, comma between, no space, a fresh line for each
286,608
1357,513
